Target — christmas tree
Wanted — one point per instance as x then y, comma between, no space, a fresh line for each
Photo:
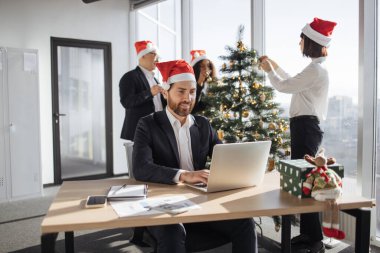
240,107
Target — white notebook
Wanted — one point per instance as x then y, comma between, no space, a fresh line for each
127,192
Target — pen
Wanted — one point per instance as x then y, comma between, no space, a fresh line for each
123,186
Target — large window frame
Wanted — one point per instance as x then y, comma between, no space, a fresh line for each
367,105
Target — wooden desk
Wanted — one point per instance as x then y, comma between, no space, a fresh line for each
67,212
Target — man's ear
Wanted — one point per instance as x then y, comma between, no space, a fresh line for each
165,94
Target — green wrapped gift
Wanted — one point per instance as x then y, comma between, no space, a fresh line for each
293,174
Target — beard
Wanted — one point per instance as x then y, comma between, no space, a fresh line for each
182,109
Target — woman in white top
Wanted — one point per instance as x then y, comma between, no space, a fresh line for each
308,106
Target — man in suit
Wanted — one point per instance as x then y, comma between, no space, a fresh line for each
140,93
172,146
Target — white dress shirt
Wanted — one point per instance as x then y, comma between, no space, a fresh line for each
309,89
183,138
157,98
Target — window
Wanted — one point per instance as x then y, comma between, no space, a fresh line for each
377,147
282,36
161,24
215,25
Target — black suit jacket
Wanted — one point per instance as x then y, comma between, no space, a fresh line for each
136,98
155,150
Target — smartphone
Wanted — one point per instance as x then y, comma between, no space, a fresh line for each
96,201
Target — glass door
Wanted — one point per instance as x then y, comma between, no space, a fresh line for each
80,115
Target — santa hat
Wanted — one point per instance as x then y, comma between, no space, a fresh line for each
196,56
144,47
319,31
175,71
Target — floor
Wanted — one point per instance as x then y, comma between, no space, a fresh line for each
20,232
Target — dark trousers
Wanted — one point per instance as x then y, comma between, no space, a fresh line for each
172,238
306,137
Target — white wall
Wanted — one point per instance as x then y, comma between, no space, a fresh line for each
31,23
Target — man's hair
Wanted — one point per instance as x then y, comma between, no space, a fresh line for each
311,48
197,69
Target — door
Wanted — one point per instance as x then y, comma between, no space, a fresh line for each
24,122
82,113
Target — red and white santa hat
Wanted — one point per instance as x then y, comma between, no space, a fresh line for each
196,56
175,71
144,47
319,31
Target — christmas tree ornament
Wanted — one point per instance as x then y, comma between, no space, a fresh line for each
261,124
220,134
255,85
224,66
245,113
272,126
271,163
262,97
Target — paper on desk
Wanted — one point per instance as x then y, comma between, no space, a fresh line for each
172,204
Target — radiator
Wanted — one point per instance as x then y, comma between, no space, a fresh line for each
347,224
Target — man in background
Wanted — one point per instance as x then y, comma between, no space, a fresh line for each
140,93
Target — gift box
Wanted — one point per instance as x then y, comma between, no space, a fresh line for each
293,174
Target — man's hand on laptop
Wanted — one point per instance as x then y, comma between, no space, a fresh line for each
194,176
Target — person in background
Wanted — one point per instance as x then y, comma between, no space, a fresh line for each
308,107
140,92
172,146
204,71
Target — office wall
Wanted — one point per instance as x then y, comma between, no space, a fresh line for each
31,23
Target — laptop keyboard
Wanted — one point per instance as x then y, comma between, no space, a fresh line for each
202,185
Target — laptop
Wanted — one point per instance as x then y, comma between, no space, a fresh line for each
236,165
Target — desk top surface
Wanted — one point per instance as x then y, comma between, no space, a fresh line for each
67,212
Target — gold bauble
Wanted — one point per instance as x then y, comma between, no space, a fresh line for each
255,85
241,46
271,164
279,139
235,95
272,126
245,114
220,134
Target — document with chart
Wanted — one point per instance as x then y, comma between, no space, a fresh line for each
149,206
